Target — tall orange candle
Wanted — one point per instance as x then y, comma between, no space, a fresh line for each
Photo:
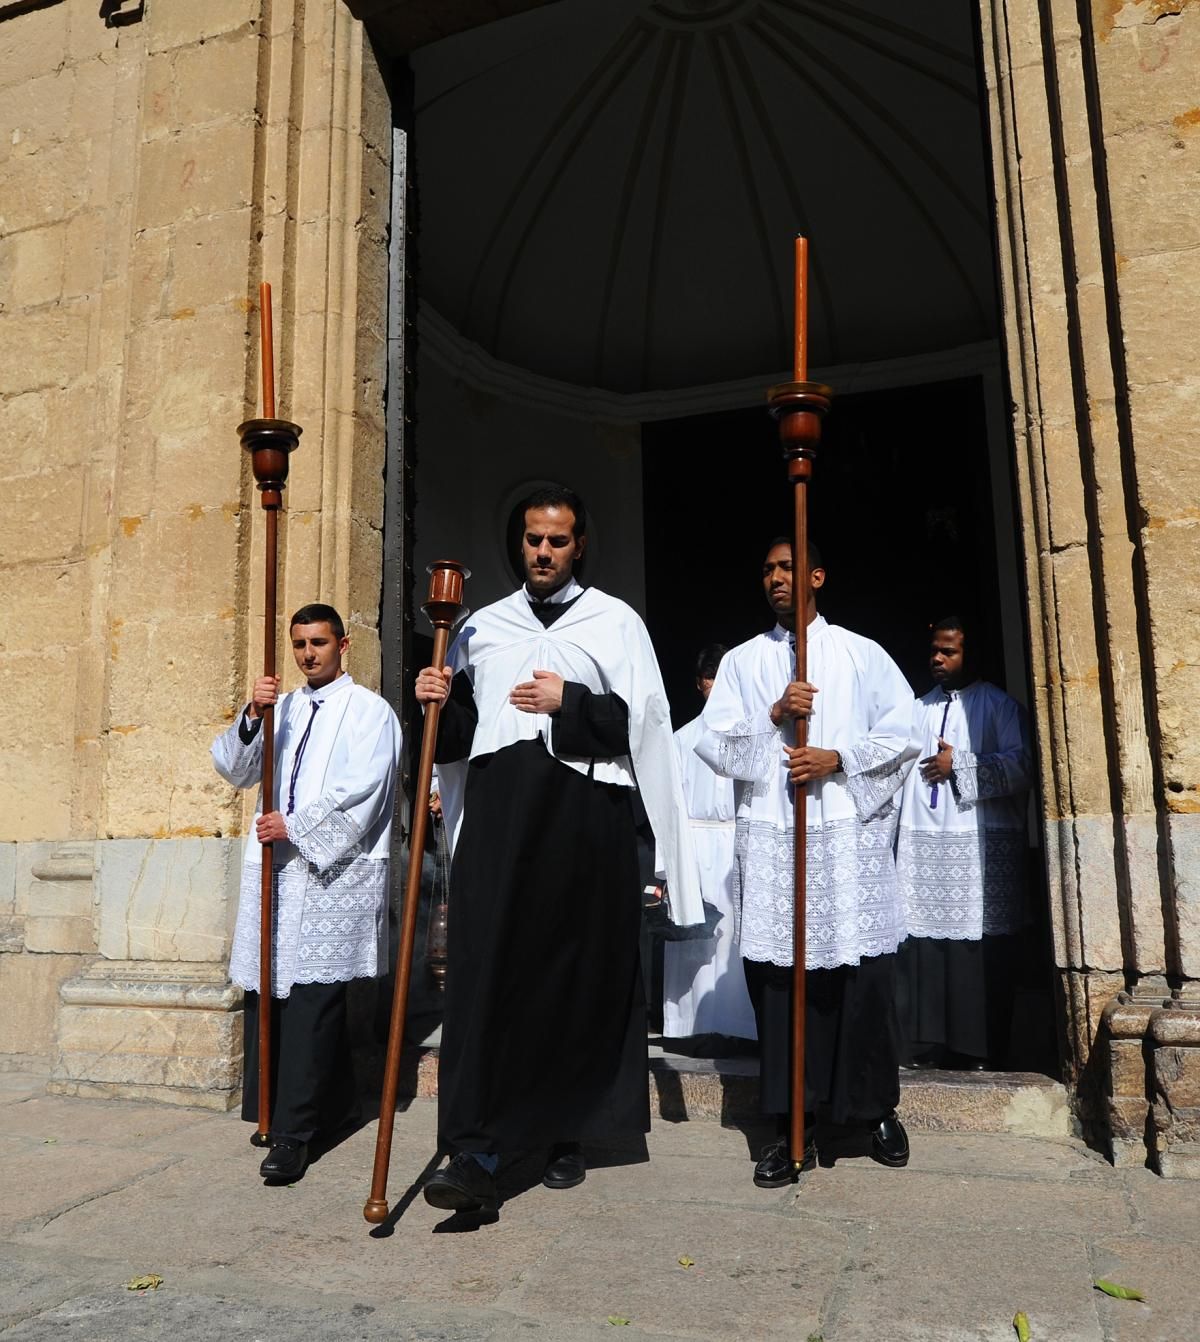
800,361
268,349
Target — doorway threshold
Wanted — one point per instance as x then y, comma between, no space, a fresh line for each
689,1088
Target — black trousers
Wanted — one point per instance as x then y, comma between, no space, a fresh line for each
851,1043
312,1076
957,995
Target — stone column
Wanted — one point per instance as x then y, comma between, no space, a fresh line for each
1145,60
1074,209
68,101
248,158
164,661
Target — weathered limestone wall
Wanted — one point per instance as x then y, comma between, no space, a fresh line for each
1095,297
1147,59
159,169
68,102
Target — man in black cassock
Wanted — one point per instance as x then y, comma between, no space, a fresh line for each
553,705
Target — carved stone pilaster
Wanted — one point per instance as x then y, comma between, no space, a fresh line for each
59,913
1126,1024
145,1030
1174,1038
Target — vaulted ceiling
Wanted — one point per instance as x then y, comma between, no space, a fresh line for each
608,189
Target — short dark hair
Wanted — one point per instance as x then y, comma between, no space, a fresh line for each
948,623
814,555
557,496
316,612
708,659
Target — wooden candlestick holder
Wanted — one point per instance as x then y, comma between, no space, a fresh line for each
270,443
799,408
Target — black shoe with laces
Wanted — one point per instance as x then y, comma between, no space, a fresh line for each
775,1168
463,1186
566,1167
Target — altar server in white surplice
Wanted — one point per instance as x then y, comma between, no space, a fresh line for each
960,857
337,750
704,984
860,712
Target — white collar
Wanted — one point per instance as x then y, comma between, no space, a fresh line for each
781,635
960,692
567,592
334,687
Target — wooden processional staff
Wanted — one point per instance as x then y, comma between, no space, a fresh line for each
798,406
269,441
444,608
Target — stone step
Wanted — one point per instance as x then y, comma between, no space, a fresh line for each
726,1089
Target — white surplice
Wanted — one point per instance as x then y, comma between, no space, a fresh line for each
332,874
704,984
961,861
864,710
602,644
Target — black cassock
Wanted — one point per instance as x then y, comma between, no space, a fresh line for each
544,1030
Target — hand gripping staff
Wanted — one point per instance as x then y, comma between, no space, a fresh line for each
270,442
445,609
798,406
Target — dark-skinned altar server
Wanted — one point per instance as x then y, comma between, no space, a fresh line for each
860,712
704,984
337,749
555,712
961,856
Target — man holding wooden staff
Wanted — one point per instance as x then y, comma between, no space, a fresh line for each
337,749
859,710
553,712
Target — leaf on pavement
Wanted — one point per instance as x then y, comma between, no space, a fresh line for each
685,1261
617,1321
1021,1324
150,1282
1116,1291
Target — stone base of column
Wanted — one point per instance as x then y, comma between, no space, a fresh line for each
1175,1080
1126,1021
145,1030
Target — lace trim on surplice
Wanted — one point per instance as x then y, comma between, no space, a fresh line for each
977,778
323,834
851,905
330,926
873,777
747,751
960,887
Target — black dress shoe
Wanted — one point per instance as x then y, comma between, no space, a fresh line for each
889,1142
924,1062
286,1163
967,1062
463,1186
566,1167
775,1168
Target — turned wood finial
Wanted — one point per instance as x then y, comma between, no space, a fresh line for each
270,442
446,580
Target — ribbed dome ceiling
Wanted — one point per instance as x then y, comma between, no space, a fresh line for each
608,190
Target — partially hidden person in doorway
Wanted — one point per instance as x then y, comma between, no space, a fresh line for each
337,749
553,710
961,859
704,985
860,746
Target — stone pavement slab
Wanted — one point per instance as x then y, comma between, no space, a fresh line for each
979,1225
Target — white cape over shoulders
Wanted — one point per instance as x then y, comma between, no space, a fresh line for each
602,644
